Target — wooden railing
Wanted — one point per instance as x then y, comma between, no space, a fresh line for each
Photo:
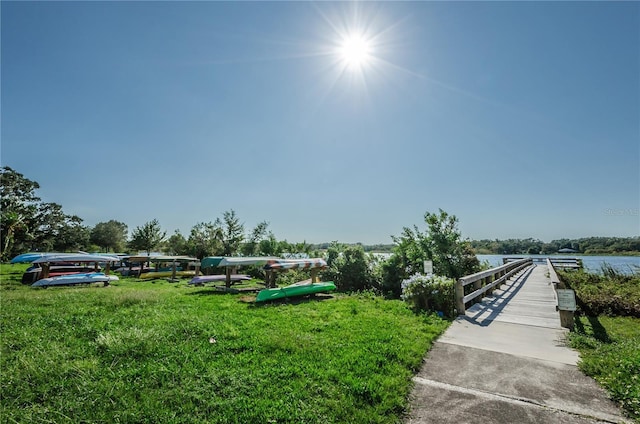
485,281
558,262
566,316
570,263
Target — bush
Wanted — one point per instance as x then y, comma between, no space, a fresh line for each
350,268
392,274
430,293
441,243
611,294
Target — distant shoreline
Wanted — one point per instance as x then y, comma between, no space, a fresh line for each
631,254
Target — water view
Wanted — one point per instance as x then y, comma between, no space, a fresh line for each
623,264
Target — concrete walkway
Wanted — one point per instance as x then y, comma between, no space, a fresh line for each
506,362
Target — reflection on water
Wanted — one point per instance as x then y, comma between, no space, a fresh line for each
623,264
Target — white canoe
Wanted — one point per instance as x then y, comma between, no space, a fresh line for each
68,280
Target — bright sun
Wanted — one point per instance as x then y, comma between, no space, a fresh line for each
355,51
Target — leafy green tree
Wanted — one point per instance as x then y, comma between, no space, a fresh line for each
252,246
18,207
148,237
350,268
177,244
50,223
270,246
301,248
29,224
12,223
393,272
441,243
72,236
451,255
204,240
110,235
232,233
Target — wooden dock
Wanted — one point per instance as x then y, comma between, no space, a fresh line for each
505,359
496,323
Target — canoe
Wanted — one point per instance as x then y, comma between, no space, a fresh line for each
68,280
28,257
218,278
75,258
159,258
287,264
297,289
220,261
33,274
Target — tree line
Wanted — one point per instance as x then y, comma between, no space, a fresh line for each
28,224
587,245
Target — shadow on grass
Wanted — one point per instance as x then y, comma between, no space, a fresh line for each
318,297
599,332
213,290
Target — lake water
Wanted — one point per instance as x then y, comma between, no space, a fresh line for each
623,264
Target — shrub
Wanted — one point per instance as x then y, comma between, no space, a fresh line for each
430,293
441,243
392,272
612,294
350,268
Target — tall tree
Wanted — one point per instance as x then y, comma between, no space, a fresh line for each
12,222
148,237
269,246
441,243
204,240
232,233
45,225
110,235
451,255
18,207
177,244
72,236
252,245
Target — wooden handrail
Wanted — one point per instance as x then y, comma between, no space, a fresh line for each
553,275
485,281
566,317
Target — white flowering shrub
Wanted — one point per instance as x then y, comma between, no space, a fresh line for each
430,293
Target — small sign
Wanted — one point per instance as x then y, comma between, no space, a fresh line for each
566,300
428,267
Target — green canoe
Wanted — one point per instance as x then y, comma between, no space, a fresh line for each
295,290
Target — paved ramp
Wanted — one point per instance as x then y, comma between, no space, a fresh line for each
506,361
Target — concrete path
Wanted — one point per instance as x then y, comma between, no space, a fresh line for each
506,362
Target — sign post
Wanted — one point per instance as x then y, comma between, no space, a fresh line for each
566,306
428,267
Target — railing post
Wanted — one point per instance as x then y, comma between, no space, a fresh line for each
460,298
566,317
488,281
476,286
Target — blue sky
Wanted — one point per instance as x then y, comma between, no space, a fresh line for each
522,119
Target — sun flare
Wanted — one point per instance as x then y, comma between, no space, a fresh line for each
355,51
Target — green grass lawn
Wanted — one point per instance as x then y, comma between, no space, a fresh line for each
607,332
610,353
150,352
